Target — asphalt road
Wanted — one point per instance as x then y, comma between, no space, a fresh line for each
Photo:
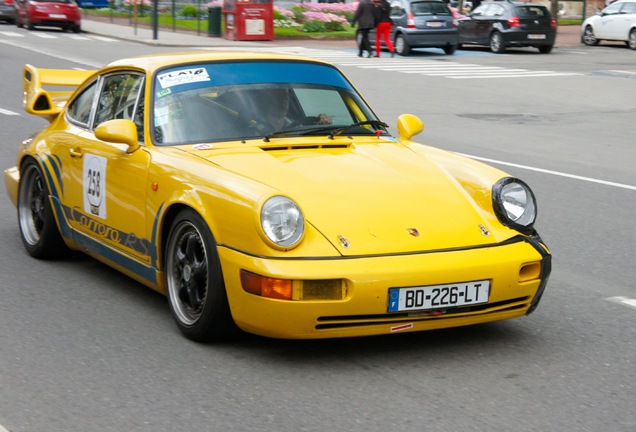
83,348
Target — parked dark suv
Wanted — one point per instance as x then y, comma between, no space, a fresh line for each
502,24
421,24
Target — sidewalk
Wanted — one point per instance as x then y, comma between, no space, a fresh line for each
567,36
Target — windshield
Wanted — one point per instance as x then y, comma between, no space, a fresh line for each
244,100
429,8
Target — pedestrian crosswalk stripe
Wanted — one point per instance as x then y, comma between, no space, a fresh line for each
427,67
104,39
44,35
41,35
519,75
7,112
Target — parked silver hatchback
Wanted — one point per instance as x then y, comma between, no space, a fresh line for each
421,24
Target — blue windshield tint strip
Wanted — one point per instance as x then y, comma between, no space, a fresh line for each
221,74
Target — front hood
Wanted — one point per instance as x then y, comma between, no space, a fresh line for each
374,197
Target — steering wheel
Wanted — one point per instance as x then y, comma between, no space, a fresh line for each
305,121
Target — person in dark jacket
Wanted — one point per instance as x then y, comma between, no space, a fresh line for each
383,30
365,17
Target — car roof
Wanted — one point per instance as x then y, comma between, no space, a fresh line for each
514,3
153,62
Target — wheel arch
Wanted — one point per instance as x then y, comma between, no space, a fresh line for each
51,186
165,225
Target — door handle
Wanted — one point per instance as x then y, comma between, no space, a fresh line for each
76,152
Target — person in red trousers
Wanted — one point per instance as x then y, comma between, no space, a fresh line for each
383,29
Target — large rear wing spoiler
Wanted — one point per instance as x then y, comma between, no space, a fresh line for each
46,91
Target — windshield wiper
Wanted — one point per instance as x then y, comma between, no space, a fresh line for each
333,130
280,133
337,131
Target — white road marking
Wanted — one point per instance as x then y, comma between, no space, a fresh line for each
44,35
556,173
104,38
623,300
9,113
521,75
11,34
78,37
54,55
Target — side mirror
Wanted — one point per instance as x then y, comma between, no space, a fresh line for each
119,131
409,125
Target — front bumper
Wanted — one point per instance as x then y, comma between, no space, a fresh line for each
364,309
11,182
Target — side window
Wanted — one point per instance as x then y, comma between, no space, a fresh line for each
396,9
480,10
118,97
495,10
79,111
629,8
612,9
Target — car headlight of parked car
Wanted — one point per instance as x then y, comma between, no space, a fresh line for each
514,204
282,221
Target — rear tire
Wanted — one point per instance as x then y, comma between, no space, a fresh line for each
497,43
632,39
401,46
588,37
196,291
39,232
450,49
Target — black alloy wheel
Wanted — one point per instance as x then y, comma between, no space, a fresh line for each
196,291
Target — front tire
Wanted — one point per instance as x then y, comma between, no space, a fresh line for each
588,37
196,291
631,42
39,232
545,49
497,43
401,46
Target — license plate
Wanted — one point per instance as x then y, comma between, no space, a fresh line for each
438,296
57,16
536,36
434,24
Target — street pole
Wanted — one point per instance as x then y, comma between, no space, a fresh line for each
155,19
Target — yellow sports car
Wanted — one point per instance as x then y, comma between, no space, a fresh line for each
260,192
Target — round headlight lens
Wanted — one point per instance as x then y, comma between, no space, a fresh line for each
515,204
282,221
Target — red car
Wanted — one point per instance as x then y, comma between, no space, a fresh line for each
48,13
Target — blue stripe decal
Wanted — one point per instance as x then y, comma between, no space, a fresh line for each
153,238
56,163
255,72
65,229
147,273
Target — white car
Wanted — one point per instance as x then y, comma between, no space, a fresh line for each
617,22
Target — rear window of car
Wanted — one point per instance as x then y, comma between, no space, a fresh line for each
530,11
429,8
